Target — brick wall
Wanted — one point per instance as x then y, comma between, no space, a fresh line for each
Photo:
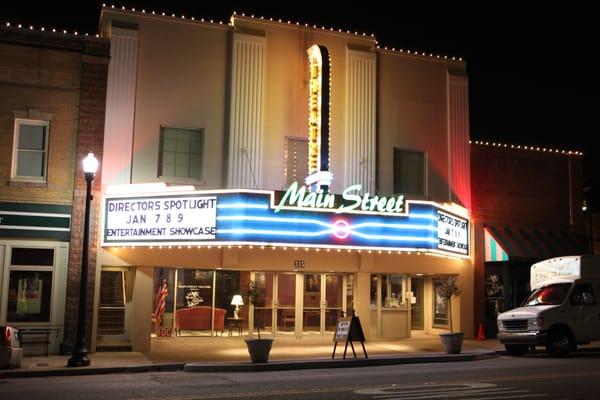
47,81
90,137
519,187
62,75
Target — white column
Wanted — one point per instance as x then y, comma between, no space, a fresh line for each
361,101
459,152
362,302
142,309
120,107
246,111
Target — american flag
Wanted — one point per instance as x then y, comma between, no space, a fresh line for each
161,298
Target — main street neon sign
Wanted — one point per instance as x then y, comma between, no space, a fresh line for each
351,200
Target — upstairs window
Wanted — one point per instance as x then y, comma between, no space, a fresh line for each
409,172
30,150
181,153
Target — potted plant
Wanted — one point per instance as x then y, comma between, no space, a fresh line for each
258,348
452,341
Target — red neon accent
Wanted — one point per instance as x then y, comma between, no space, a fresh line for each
341,229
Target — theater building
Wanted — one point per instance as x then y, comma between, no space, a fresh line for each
331,172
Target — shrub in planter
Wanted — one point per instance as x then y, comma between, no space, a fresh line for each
452,341
259,349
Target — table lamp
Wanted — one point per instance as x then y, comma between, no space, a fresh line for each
237,301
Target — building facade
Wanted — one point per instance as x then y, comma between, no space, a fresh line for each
527,207
52,105
330,172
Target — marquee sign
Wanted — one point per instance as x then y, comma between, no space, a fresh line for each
453,233
252,217
159,219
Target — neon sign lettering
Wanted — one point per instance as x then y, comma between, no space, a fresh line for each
352,200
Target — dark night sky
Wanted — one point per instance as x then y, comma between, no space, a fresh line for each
530,66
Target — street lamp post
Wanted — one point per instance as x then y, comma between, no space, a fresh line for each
79,356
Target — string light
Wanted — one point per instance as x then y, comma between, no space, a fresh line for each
328,249
529,148
53,30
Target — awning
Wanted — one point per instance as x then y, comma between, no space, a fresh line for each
502,244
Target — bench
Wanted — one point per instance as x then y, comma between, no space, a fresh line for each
37,338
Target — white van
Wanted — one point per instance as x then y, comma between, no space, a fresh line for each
562,310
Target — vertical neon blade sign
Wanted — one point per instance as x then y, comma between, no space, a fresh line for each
318,119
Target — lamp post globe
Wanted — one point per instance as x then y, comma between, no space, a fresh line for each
79,356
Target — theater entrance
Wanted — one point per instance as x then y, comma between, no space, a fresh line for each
302,303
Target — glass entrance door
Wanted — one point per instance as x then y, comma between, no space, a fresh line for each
416,304
311,315
323,302
285,306
263,312
334,300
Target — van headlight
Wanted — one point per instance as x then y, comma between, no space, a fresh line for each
500,325
535,324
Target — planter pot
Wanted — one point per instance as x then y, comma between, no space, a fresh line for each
259,349
452,342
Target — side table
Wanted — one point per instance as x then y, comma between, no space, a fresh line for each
235,324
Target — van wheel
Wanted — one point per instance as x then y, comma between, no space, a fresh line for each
516,349
560,343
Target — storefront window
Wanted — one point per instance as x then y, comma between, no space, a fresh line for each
349,295
29,296
440,306
374,279
393,289
228,285
161,275
194,304
264,310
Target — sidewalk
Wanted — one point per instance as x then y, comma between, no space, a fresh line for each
228,354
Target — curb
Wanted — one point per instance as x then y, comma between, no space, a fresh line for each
250,367
328,363
90,371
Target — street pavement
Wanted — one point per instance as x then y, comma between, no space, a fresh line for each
229,354
531,377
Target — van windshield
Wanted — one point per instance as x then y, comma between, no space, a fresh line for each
547,295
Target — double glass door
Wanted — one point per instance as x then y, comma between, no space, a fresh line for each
297,303
323,302
278,310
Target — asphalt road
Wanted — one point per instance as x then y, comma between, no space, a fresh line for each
531,377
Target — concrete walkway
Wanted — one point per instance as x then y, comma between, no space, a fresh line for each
230,354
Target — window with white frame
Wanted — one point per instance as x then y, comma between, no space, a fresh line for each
409,172
30,284
30,150
181,153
